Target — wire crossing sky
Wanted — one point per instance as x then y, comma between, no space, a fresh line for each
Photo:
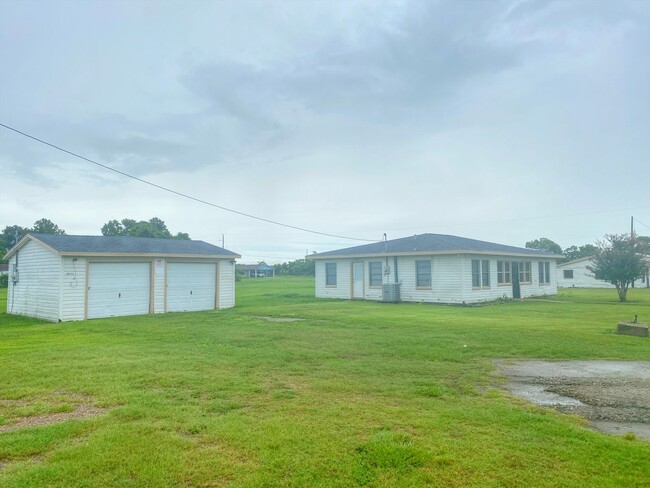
504,121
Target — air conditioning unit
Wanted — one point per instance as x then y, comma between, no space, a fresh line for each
390,293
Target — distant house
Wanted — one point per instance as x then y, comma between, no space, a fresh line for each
4,269
256,270
576,274
62,278
435,268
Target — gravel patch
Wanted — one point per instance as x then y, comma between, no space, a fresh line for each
614,396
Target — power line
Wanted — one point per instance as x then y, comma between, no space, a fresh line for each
180,194
639,222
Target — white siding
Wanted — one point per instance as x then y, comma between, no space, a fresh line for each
226,282
73,289
39,283
159,270
342,289
451,279
583,278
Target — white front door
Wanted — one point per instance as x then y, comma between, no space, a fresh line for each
117,289
191,286
357,280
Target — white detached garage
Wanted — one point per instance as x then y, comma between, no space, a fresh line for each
62,278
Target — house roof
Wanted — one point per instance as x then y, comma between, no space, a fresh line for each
121,245
432,244
568,263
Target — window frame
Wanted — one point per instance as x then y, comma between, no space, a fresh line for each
525,271
418,286
371,265
480,274
328,274
504,275
544,269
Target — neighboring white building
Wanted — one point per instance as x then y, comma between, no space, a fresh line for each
576,274
62,278
435,268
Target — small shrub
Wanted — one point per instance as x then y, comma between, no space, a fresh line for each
4,281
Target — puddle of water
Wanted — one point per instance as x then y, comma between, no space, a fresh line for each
538,395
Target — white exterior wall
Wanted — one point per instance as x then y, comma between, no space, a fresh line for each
73,288
159,267
226,283
583,278
451,279
343,279
54,288
39,283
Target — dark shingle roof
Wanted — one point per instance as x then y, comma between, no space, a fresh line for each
130,245
434,243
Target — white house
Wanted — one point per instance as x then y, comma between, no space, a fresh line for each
62,278
576,274
435,268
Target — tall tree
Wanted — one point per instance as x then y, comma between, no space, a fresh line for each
618,262
153,227
574,252
544,244
46,226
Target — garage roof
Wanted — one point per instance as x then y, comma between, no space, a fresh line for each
121,245
431,244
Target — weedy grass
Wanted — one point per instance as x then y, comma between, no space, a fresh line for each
355,394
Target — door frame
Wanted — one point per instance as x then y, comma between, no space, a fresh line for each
516,285
352,281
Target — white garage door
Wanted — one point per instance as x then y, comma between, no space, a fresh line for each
191,286
116,289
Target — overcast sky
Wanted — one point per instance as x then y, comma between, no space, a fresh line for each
496,120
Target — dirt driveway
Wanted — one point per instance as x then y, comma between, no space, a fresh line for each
613,395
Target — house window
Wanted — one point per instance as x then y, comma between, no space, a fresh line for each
423,274
481,273
374,272
524,272
568,274
544,272
504,277
330,274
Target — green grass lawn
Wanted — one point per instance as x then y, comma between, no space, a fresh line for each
356,394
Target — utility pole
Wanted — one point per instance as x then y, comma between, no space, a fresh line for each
223,240
632,227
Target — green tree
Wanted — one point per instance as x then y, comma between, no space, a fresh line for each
544,244
299,267
46,226
618,262
153,227
574,252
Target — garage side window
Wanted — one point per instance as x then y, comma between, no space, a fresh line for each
568,274
330,274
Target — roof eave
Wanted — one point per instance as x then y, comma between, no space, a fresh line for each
149,255
430,253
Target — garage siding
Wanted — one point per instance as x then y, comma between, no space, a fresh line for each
39,276
73,289
226,283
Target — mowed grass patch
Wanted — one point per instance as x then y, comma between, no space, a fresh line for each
356,394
